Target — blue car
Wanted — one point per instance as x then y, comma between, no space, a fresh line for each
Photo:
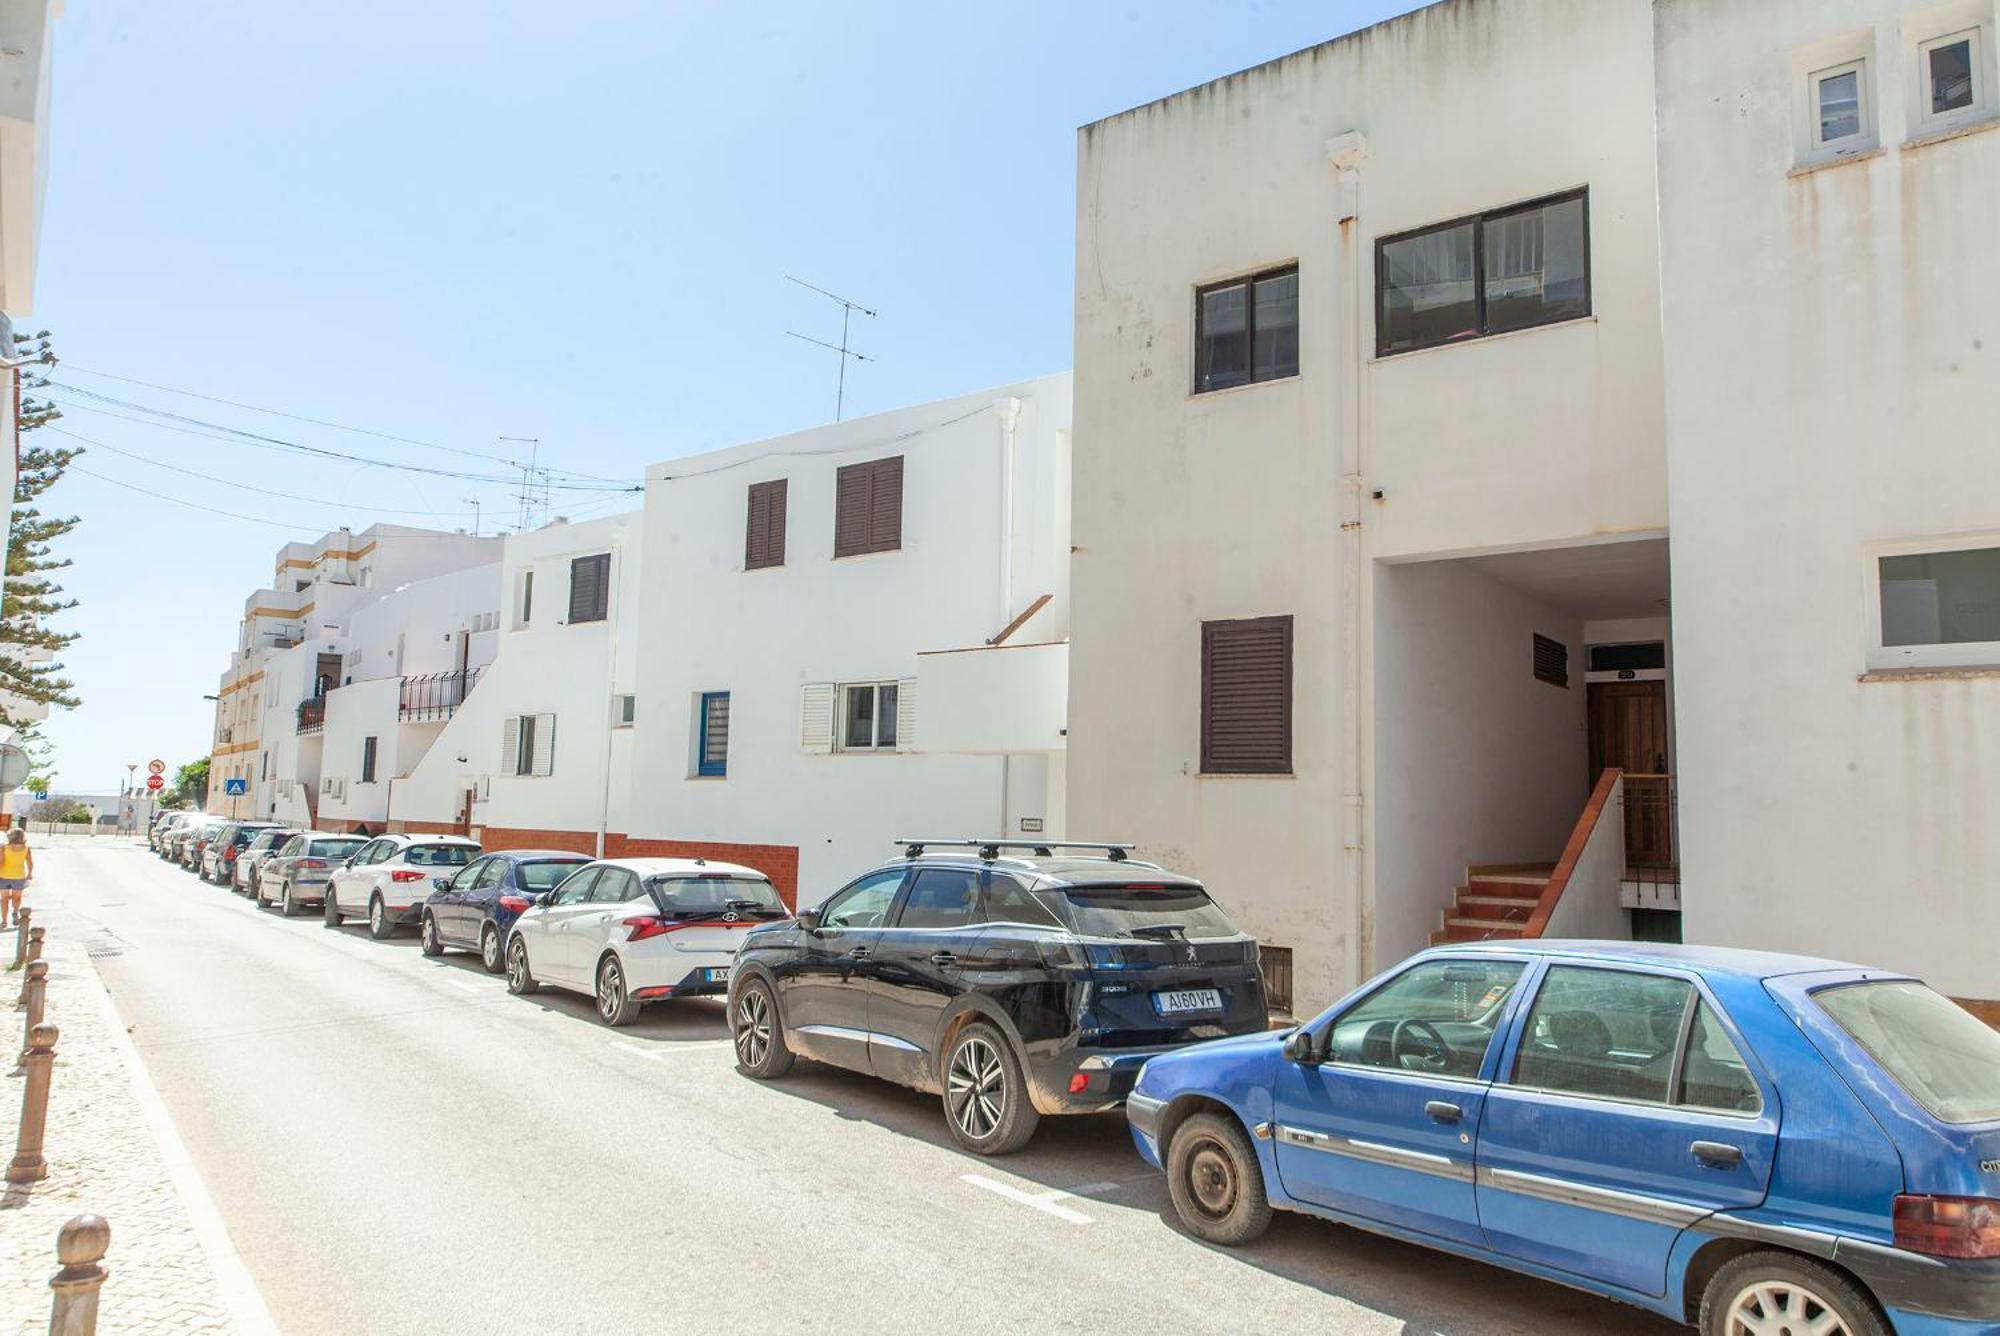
475,907
1762,1145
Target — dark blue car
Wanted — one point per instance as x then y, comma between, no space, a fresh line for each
1752,1143
476,907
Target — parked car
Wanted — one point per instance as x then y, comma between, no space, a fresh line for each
630,931
296,875
164,825
189,846
1011,986
218,857
388,878
262,845
476,908
1747,1141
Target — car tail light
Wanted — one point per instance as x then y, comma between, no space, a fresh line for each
406,874
1948,1226
649,925
310,862
1079,1082
514,904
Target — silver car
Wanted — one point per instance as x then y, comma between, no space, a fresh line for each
295,876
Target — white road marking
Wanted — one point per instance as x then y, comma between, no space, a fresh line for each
1049,1202
664,1050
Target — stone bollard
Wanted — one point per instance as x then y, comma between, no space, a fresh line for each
34,954
28,1166
80,1246
21,937
38,997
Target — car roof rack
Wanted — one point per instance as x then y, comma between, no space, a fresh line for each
990,849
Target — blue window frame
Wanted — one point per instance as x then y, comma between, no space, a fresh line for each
712,761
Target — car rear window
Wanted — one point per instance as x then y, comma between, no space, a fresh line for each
708,897
438,855
1162,912
335,848
1945,1057
549,874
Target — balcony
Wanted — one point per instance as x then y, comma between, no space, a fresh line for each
312,715
436,696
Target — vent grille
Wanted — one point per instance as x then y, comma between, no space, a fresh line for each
1551,661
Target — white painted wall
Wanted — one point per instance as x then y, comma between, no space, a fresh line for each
1591,908
1476,761
1830,355
975,552
1230,504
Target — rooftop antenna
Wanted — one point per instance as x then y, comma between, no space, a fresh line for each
847,310
473,501
534,493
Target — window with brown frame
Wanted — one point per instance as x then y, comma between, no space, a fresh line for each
868,507
1247,330
764,536
1246,697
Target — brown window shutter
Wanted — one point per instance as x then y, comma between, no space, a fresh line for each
885,506
1246,696
590,588
764,542
850,510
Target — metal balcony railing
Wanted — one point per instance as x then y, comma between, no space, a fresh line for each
435,696
1652,840
312,714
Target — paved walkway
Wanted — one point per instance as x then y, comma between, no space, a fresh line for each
111,1151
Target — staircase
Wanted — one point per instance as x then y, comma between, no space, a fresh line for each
1494,904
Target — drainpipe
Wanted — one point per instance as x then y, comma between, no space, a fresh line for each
618,576
1346,152
1009,410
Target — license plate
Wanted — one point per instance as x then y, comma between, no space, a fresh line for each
1187,999
717,975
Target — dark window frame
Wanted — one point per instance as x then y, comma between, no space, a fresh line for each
600,608
703,767
370,746
1248,282
1210,631
770,553
1479,220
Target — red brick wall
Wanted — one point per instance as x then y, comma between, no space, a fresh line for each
495,838
779,862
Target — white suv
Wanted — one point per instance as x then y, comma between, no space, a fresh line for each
388,878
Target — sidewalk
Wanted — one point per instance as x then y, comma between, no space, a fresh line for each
107,1156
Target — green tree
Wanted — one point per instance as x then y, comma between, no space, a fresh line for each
190,785
31,600
41,759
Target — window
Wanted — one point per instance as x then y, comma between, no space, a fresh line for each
1008,901
1937,608
1605,1033
1947,1059
1551,661
868,507
712,760
1840,106
868,716
1508,269
576,889
940,897
711,896
1950,72
439,855
528,744
1246,697
1713,1074
541,876
764,536
524,599
590,588
491,873
865,904
1641,656
624,709
616,886
1438,1017
1247,330
1275,964
368,747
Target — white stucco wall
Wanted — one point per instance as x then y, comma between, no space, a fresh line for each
1830,352
1230,504
1590,908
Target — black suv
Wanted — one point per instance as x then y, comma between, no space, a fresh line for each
1014,986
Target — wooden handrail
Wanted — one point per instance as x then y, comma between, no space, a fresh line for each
1579,838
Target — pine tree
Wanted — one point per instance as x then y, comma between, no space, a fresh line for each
31,600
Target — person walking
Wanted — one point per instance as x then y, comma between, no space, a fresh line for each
17,868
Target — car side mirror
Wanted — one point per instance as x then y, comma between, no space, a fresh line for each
441,883
1300,1047
809,919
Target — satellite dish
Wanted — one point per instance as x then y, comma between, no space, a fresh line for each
14,767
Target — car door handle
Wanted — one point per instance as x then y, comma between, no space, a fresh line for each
943,958
858,953
1444,1111
1718,1154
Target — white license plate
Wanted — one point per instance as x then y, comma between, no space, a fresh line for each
1187,999
717,975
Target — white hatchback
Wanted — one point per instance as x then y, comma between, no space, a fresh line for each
629,931
389,877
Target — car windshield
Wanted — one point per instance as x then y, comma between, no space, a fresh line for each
438,855
1158,912
335,848
548,875
1944,1056
708,897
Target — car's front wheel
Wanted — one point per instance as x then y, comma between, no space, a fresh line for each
1782,1292
986,1103
761,1051
615,1003
1215,1180
489,950
427,936
520,979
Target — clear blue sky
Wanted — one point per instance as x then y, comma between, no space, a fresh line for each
456,223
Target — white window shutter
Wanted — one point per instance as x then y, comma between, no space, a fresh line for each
545,745
510,746
906,714
816,717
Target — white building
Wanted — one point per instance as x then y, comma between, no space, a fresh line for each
1829,176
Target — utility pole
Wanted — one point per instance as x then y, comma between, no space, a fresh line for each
847,310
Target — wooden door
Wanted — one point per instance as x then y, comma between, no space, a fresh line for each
1628,729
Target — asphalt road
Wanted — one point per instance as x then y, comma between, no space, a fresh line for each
398,1145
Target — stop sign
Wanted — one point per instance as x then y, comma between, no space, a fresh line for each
155,782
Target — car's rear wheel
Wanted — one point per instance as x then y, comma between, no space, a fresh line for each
761,1050
427,935
986,1103
489,950
520,979
288,904
380,926
1772,1293
329,909
1215,1180
615,1003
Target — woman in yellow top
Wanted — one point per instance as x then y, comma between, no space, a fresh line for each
17,865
